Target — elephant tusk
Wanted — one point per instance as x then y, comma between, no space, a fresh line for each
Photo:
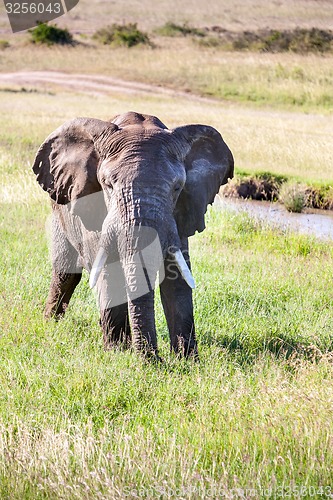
97,266
183,268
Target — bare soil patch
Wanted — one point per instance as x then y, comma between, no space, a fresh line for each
91,84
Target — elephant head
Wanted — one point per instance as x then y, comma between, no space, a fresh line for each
154,185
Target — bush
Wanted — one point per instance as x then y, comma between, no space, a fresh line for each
272,187
261,186
50,35
126,35
293,196
172,30
297,40
314,40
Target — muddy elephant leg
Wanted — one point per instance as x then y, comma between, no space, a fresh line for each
113,308
177,303
61,290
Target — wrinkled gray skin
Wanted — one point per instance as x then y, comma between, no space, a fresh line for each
149,176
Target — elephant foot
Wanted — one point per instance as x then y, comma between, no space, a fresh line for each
153,357
112,344
185,349
116,330
51,312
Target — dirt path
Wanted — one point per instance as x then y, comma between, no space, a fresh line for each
89,84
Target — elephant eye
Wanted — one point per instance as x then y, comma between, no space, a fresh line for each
177,188
106,183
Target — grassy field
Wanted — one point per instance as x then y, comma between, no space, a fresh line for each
291,144
254,415
253,419
279,81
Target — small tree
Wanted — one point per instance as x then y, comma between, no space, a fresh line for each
50,35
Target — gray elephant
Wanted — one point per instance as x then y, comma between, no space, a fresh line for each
126,195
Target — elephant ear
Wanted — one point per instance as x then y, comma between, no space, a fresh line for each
209,164
66,164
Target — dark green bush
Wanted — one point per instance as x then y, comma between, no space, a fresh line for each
50,35
126,35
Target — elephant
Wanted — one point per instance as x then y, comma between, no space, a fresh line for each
126,195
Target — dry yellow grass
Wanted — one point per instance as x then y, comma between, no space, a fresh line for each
286,81
294,144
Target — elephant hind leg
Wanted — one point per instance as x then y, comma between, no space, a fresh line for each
61,289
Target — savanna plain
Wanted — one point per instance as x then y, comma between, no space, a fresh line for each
253,418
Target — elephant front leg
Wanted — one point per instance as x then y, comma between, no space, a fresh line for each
115,326
113,307
177,303
141,311
61,289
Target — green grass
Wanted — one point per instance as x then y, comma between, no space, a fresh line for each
255,413
78,422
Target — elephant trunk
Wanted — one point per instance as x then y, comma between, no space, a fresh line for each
140,296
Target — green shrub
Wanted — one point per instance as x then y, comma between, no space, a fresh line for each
126,35
297,40
293,196
171,29
314,40
50,35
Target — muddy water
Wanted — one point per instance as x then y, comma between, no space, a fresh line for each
318,223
